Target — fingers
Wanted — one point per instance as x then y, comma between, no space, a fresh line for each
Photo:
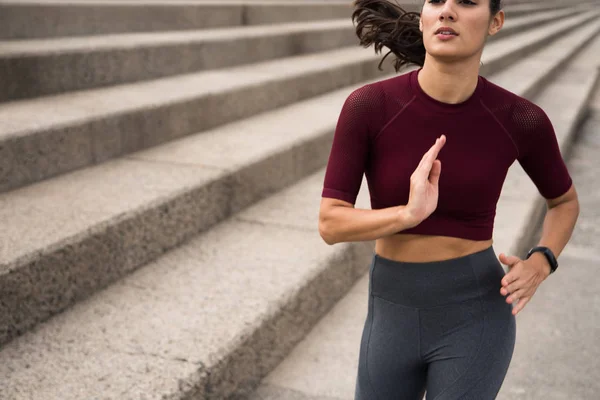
509,283
439,143
434,174
515,296
520,305
511,288
519,284
504,290
429,157
433,150
425,156
509,260
510,279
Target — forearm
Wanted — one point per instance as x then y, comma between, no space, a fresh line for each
557,229
347,224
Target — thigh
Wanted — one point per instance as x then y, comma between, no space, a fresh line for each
389,365
474,350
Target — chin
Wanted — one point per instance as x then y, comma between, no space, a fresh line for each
446,56
448,53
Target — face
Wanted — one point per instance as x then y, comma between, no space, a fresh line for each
470,19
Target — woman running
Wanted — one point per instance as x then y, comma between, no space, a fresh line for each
435,145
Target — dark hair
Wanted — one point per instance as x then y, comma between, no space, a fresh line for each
383,23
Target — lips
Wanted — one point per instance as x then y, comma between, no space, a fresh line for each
446,30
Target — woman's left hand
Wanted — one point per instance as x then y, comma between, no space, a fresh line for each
523,278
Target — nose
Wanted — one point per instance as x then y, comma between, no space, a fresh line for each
447,12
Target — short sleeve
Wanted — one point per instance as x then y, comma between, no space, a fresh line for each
350,149
540,154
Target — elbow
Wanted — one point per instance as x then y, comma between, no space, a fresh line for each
576,209
325,232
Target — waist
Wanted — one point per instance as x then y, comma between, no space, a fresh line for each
427,248
434,283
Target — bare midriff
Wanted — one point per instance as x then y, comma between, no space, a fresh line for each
426,248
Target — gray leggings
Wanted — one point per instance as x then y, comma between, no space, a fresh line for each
440,326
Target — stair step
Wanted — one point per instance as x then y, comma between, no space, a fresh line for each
30,68
60,18
79,129
72,18
520,8
522,23
177,328
65,237
546,62
37,67
503,53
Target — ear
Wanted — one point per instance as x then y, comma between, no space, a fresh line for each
420,25
497,23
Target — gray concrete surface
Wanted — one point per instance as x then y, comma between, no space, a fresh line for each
64,238
30,68
213,315
84,128
79,18
37,67
78,129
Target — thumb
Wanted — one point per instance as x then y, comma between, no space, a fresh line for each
434,174
508,260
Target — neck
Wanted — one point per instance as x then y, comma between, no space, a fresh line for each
449,83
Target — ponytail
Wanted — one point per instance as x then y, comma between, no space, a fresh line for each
382,23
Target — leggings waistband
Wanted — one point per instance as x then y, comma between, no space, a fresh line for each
436,283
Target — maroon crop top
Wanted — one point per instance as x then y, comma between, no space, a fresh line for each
384,128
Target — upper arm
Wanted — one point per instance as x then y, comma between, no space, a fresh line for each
570,195
350,149
540,154
328,203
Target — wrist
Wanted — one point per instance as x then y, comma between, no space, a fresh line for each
406,218
542,262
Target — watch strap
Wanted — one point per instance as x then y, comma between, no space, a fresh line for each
549,256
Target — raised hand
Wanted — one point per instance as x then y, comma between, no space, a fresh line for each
423,197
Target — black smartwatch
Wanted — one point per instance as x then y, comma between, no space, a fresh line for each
549,256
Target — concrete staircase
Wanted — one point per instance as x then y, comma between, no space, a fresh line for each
198,154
